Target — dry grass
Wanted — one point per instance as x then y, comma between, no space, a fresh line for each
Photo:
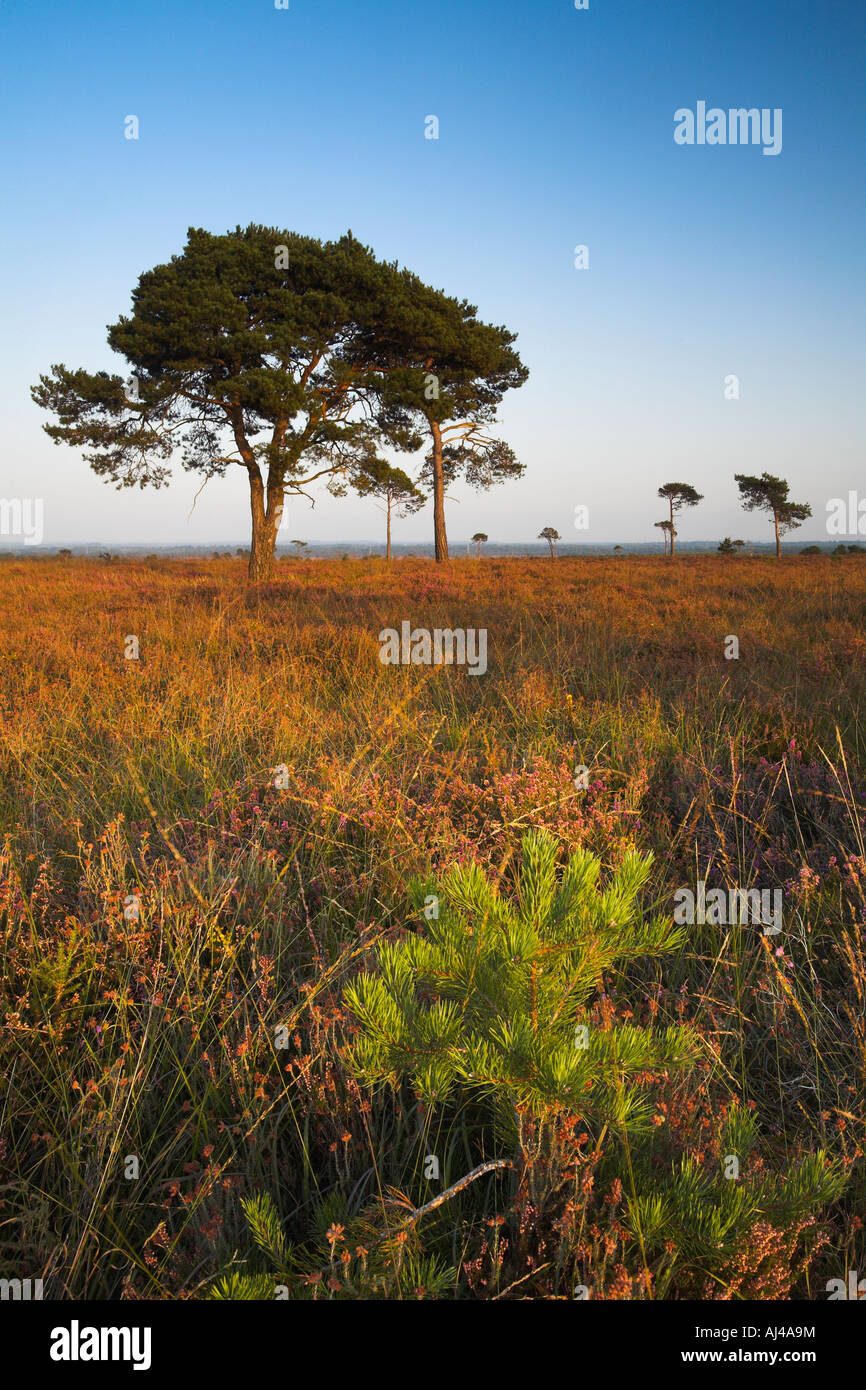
148,784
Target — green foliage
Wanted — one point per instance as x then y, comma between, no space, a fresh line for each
680,495
481,462
240,354
280,353
264,1223
444,374
423,332
493,995
392,487
396,489
698,1220
61,980
243,1287
707,1216
770,494
358,1260
677,496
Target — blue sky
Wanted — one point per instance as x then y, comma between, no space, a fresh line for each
556,129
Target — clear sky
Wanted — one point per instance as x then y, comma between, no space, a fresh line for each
556,129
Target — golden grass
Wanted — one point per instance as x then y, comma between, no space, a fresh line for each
154,777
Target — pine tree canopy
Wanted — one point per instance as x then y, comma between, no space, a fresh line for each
291,358
378,478
246,349
445,373
428,333
237,358
680,495
769,493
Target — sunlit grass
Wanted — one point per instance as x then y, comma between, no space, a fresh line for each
153,1035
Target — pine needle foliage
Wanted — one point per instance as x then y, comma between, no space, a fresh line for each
370,1255
266,1229
702,1217
494,994
708,1218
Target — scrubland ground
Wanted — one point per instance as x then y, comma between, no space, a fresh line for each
169,904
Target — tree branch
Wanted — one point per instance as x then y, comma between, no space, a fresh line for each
415,1216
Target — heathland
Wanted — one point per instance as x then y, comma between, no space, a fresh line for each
209,833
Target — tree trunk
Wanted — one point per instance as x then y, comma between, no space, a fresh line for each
439,533
266,514
388,528
778,541
671,500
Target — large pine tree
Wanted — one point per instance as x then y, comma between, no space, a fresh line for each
245,351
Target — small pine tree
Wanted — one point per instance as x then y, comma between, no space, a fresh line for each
667,529
703,1218
677,496
479,538
551,535
494,996
395,491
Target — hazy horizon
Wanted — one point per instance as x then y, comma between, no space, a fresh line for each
405,549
